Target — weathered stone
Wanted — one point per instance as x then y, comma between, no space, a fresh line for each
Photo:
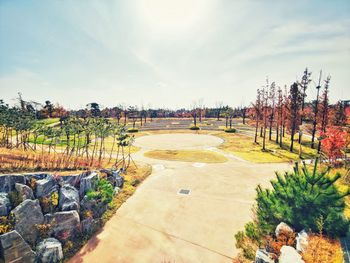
36,176
71,179
7,182
5,205
87,183
69,198
46,187
97,208
49,251
119,180
289,255
283,227
25,191
13,248
27,215
89,225
65,224
302,241
262,256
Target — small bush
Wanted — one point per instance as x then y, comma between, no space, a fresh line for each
133,130
44,230
6,224
104,192
194,128
321,249
230,130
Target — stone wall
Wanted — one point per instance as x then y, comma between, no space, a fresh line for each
42,212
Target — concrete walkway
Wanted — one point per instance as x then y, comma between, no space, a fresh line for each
157,224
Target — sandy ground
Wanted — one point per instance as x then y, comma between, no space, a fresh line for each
157,224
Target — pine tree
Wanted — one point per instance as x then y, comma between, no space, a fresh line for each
300,198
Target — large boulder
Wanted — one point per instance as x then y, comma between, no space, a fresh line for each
13,248
7,182
64,224
302,241
27,215
69,198
72,179
118,179
90,225
289,255
87,183
283,227
25,191
262,256
46,187
5,205
49,251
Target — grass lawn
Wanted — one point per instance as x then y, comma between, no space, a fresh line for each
187,156
244,147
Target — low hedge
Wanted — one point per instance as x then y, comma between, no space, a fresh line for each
230,130
133,130
194,128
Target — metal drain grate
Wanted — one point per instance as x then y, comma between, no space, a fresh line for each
184,191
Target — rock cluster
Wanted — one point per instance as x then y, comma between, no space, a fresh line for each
48,212
288,254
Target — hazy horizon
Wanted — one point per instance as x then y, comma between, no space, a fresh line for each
163,53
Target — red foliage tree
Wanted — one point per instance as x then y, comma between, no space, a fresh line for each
334,141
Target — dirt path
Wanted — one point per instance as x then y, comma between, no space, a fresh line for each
157,224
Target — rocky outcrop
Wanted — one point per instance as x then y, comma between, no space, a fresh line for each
283,227
289,255
46,187
262,256
87,183
27,215
49,251
5,205
69,198
25,191
64,224
7,182
13,248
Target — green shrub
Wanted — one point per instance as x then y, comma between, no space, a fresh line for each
194,128
133,130
300,198
230,130
104,191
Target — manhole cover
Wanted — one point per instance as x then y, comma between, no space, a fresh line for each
184,191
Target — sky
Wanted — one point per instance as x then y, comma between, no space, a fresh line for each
169,53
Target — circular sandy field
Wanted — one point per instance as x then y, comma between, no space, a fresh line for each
177,141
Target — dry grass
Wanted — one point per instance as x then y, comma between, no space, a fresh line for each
244,147
323,249
202,156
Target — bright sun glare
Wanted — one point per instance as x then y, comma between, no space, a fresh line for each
172,16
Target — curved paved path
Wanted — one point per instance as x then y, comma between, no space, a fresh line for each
157,224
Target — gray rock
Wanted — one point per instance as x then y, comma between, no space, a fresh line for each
89,225
98,208
262,256
302,241
7,182
46,187
25,191
36,176
71,179
87,183
69,198
27,215
119,180
13,248
65,224
289,255
283,227
49,251
5,205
